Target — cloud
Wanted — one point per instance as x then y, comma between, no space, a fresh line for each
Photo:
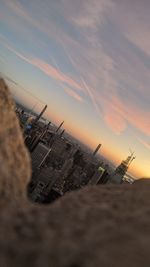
118,115
73,94
44,67
143,142
114,77
89,13
17,9
91,95
116,122
134,21
101,76
54,73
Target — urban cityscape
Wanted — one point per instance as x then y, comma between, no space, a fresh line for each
60,164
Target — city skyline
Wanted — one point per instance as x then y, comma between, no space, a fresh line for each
89,61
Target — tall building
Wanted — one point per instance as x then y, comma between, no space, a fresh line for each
40,115
38,155
97,149
119,173
67,167
59,145
62,133
59,127
97,176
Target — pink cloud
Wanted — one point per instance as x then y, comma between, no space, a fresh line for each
54,73
115,121
118,114
44,67
73,94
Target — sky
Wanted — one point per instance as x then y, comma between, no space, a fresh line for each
89,61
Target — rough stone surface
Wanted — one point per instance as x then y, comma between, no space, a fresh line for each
103,226
14,161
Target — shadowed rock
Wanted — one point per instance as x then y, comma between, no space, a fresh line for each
143,181
102,226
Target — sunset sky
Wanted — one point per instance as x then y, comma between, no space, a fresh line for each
89,61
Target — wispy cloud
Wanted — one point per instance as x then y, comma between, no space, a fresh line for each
114,117
91,95
90,13
143,142
114,77
54,73
118,115
44,67
134,21
73,94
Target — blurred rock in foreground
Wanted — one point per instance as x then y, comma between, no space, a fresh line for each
103,226
14,160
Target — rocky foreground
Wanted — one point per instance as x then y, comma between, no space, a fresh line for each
95,227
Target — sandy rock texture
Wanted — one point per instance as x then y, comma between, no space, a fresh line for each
103,226
15,168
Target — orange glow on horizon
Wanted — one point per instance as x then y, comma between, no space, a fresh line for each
106,152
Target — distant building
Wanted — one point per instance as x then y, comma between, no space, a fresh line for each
119,173
67,167
75,179
97,176
38,155
104,178
96,150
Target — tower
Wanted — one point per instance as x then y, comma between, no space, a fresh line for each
117,176
40,115
62,133
59,127
96,150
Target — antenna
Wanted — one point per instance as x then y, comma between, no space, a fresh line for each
132,152
132,157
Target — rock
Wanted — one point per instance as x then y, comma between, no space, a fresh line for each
98,226
142,181
15,170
